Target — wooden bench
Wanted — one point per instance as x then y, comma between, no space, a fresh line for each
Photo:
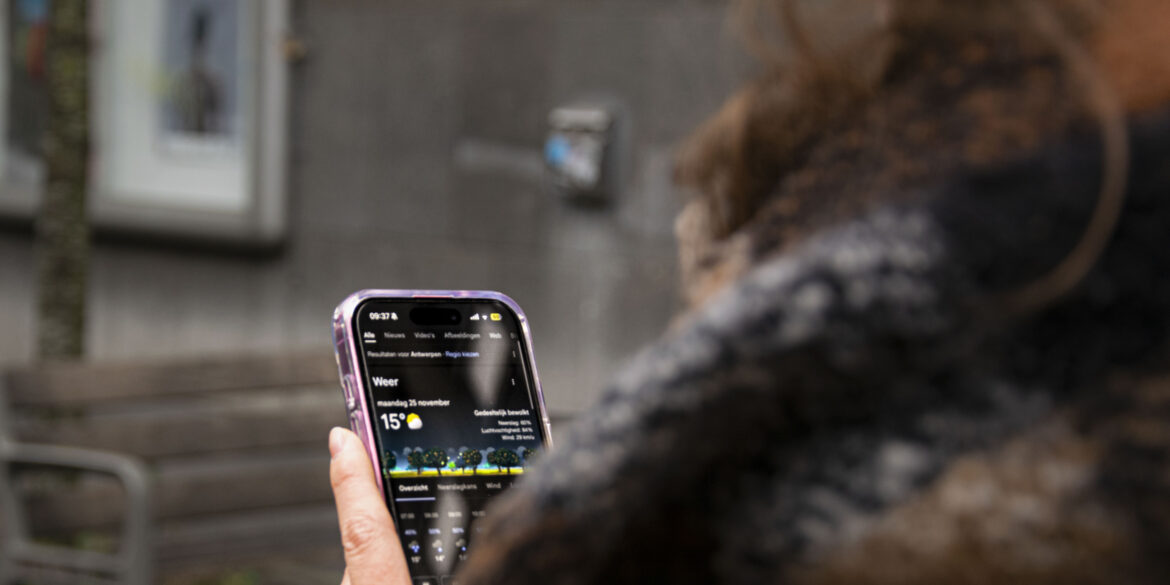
236,449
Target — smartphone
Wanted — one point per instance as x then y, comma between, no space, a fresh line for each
442,388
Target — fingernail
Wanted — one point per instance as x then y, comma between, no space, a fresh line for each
336,441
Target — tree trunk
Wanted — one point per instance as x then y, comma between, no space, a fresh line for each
62,227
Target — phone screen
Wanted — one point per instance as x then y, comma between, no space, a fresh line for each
456,416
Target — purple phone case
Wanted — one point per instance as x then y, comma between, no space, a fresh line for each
351,382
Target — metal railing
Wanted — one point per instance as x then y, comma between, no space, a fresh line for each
20,554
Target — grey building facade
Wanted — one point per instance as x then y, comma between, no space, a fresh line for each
414,162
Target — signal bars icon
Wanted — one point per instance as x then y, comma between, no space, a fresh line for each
475,317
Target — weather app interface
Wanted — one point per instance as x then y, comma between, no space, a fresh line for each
448,391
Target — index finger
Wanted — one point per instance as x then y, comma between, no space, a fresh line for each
373,554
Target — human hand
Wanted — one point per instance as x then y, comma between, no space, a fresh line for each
373,555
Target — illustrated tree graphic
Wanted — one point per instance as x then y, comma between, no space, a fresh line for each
471,458
529,454
416,460
504,459
436,458
389,462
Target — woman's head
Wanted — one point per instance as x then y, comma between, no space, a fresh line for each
918,90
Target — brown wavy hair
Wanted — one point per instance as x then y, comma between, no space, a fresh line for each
930,86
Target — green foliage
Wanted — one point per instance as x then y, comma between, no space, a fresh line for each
504,459
436,458
62,226
232,577
529,454
471,458
417,460
245,577
389,462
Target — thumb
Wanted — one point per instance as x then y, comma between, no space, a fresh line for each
373,554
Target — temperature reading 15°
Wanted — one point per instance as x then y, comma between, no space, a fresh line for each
393,421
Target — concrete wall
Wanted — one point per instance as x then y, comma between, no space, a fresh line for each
415,132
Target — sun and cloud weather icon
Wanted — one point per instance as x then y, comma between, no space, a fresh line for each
413,422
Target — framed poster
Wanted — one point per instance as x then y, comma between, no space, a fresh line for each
23,105
188,118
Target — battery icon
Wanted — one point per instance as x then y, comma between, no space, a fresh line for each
497,317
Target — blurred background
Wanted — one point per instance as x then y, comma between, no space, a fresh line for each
415,138
252,163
